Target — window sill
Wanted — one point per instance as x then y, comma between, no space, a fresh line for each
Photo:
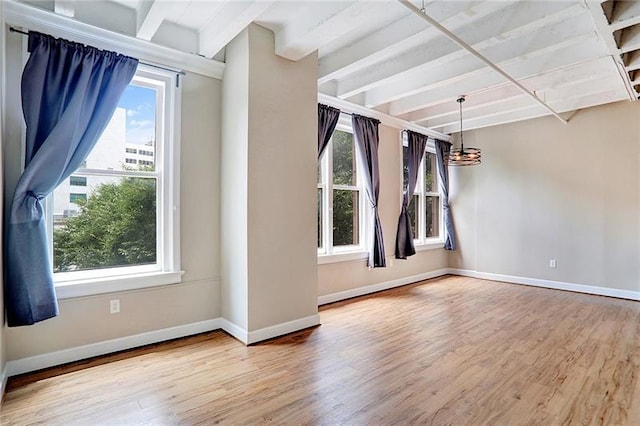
342,257
432,245
101,285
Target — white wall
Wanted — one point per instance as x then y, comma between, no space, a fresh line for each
545,191
347,276
87,320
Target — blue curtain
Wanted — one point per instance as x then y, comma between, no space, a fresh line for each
404,236
442,153
69,93
327,121
366,134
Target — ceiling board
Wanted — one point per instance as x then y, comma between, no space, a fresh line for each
379,54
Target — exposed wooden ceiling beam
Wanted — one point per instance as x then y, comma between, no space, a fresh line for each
630,39
65,8
551,96
535,111
302,36
421,77
632,61
424,79
605,33
149,17
494,35
588,71
538,64
625,14
34,18
403,34
478,55
230,19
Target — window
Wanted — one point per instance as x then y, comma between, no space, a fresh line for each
74,198
147,153
340,196
425,206
78,181
122,230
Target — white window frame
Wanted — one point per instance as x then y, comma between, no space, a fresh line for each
166,270
423,242
328,253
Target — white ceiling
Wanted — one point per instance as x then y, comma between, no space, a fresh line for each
570,54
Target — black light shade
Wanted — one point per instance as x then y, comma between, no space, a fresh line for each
464,156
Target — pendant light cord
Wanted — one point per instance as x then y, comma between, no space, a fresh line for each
460,101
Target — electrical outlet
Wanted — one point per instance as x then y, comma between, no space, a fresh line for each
114,306
553,263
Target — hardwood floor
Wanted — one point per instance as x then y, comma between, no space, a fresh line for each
452,350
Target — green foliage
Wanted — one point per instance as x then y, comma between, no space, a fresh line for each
345,217
116,226
344,159
345,202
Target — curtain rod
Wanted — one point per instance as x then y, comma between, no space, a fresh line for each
180,72
404,131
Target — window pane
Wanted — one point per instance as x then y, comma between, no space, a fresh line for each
344,159
345,217
430,173
433,216
320,224
129,140
77,199
78,181
114,224
414,214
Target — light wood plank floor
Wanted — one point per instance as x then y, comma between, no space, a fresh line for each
452,350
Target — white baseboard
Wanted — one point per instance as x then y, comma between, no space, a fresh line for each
282,329
361,291
250,337
556,285
78,353
51,359
3,383
234,330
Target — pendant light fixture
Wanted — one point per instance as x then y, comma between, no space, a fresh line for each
464,156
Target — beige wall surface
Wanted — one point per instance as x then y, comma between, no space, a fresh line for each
233,169
343,276
545,191
269,178
87,320
3,346
282,184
